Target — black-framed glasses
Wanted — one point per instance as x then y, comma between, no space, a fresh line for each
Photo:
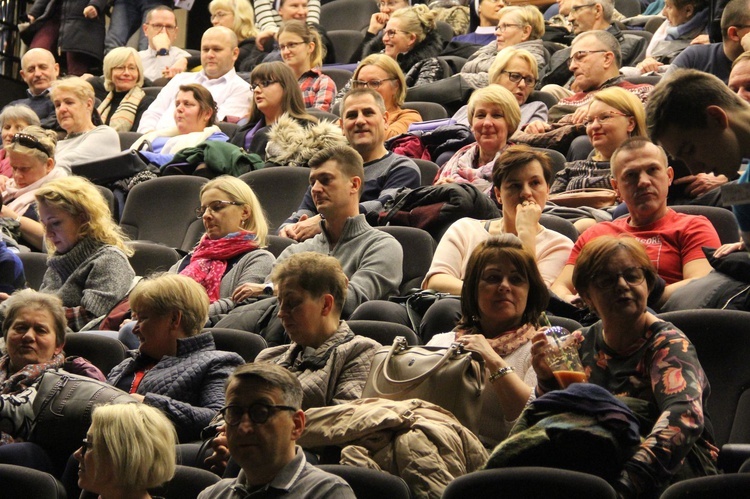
603,118
290,45
165,27
530,81
85,447
263,84
215,207
607,280
373,84
503,27
582,54
579,7
31,142
259,412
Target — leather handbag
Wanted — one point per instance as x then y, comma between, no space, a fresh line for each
107,170
591,197
63,406
449,377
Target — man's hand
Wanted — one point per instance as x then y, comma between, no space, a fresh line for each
537,126
701,183
263,36
700,40
726,249
218,460
649,64
247,290
579,115
304,229
178,67
90,12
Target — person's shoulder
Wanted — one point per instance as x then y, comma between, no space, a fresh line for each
319,483
223,489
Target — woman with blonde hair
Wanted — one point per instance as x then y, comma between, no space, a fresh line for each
382,74
74,105
126,101
410,38
230,255
302,51
237,15
88,264
128,449
494,115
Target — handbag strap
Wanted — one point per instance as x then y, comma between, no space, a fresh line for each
400,346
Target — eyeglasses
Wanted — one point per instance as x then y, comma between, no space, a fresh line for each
122,69
219,14
603,118
166,27
85,447
503,27
530,81
390,33
263,84
259,413
582,54
290,46
215,207
579,7
373,84
31,142
607,280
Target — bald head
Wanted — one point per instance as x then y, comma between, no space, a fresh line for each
218,51
39,70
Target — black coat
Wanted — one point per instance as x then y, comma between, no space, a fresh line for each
77,33
420,63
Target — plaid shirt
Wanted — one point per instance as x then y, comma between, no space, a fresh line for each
318,90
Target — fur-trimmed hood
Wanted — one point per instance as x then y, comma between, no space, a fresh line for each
291,143
430,47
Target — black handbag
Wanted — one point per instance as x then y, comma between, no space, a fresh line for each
417,302
107,170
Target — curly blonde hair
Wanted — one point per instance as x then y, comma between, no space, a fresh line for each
81,199
418,20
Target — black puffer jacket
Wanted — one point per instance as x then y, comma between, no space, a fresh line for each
420,65
77,33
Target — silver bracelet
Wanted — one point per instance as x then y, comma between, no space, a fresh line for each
500,373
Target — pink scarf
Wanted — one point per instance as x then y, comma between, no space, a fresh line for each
508,342
208,262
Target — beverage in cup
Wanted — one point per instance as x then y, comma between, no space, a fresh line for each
562,357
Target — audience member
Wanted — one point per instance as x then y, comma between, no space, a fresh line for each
739,78
127,16
269,16
39,70
128,449
123,79
484,16
673,241
632,353
73,28
238,16
701,122
364,120
717,58
276,92
500,270
195,118
176,369
84,141
595,63
13,119
32,156
494,115
230,92
377,23
301,50
264,406
161,59
382,74
87,265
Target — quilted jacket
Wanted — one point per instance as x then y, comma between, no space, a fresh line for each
421,442
189,387
335,373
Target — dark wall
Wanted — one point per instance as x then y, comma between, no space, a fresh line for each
10,90
199,20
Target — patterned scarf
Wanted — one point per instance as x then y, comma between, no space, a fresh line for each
208,262
124,116
26,376
508,342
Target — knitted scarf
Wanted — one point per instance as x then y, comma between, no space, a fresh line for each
508,342
20,380
124,116
208,262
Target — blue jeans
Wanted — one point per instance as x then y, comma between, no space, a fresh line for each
127,17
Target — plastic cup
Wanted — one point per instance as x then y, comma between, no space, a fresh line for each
562,357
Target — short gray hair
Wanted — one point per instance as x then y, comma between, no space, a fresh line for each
605,38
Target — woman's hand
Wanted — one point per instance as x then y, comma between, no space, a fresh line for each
726,249
478,343
4,296
90,12
538,362
262,38
31,19
649,64
6,212
377,23
528,214
537,126
218,460
247,290
444,180
3,182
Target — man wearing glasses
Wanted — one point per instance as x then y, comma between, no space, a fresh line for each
162,59
264,419
127,15
717,58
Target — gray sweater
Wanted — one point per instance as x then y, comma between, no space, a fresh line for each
92,275
370,258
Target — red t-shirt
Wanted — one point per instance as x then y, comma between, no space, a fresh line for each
670,242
